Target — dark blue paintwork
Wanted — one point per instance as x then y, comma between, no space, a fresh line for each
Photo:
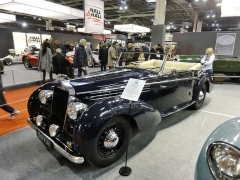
162,95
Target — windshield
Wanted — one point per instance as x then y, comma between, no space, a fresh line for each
144,60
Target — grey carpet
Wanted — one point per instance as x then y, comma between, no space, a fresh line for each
167,152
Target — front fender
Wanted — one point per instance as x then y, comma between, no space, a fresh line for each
227,132
92,120
198,86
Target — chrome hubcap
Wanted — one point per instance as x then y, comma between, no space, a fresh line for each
201,96
111,140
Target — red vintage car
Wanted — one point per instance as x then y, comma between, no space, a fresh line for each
30,58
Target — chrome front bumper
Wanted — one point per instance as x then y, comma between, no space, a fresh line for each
74,159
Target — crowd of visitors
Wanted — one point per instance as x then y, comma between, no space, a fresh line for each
52,56
108,54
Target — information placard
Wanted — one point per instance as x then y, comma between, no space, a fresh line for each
133,89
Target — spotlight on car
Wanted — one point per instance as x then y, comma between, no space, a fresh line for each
53,130
39,120
44,95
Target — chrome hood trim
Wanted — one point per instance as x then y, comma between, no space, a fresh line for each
69,87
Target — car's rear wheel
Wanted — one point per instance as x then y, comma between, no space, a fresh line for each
111,142
200,99
7,61
27,63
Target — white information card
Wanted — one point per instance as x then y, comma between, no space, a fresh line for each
133,89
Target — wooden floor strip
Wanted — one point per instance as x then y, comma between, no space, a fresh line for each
17,99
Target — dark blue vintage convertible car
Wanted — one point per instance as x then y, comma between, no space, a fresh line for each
85,118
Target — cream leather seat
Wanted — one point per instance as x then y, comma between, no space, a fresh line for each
154,65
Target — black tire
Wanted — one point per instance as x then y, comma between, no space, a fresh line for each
27,63
121,131
200,98
7,61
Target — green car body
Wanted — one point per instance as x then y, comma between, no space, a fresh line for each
227,66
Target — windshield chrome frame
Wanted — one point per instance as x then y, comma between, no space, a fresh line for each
161,67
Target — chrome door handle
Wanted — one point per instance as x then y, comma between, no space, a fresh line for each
163,86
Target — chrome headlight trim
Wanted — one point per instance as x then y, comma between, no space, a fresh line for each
53,130
75,107
217,169
39,120
44,95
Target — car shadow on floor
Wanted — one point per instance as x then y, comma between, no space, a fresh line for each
88,172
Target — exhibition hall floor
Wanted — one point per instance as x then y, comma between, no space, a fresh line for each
167,152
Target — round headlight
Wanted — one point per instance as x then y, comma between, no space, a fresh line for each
224,159
44,95
39,120
75,107
53,130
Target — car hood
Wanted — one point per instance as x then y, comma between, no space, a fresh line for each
228,132
105,84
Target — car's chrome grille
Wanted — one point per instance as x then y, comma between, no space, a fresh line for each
59,106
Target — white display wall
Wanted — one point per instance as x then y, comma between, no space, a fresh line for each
19,42
34,39
23,40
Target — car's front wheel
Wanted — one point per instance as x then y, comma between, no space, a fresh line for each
7,61
200,99
111,142
27,63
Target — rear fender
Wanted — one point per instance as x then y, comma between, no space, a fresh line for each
198,84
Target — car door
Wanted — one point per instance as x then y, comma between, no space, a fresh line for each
175,90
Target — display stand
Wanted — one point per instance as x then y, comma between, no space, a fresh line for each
131,92
125,170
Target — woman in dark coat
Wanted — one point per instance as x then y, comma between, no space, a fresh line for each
103,56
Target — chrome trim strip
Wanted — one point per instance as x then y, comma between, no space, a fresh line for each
105,74
69,87
122,87
74,159
179,109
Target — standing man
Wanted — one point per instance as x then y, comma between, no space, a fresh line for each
52,46
112,55
129,55
160,50
89,54
103,56
80,58
119,50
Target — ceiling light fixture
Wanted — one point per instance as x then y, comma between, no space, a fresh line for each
131,28
24,24
208,16
125,7
42,8
219,4
121,8
62,29
213,15
230,8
